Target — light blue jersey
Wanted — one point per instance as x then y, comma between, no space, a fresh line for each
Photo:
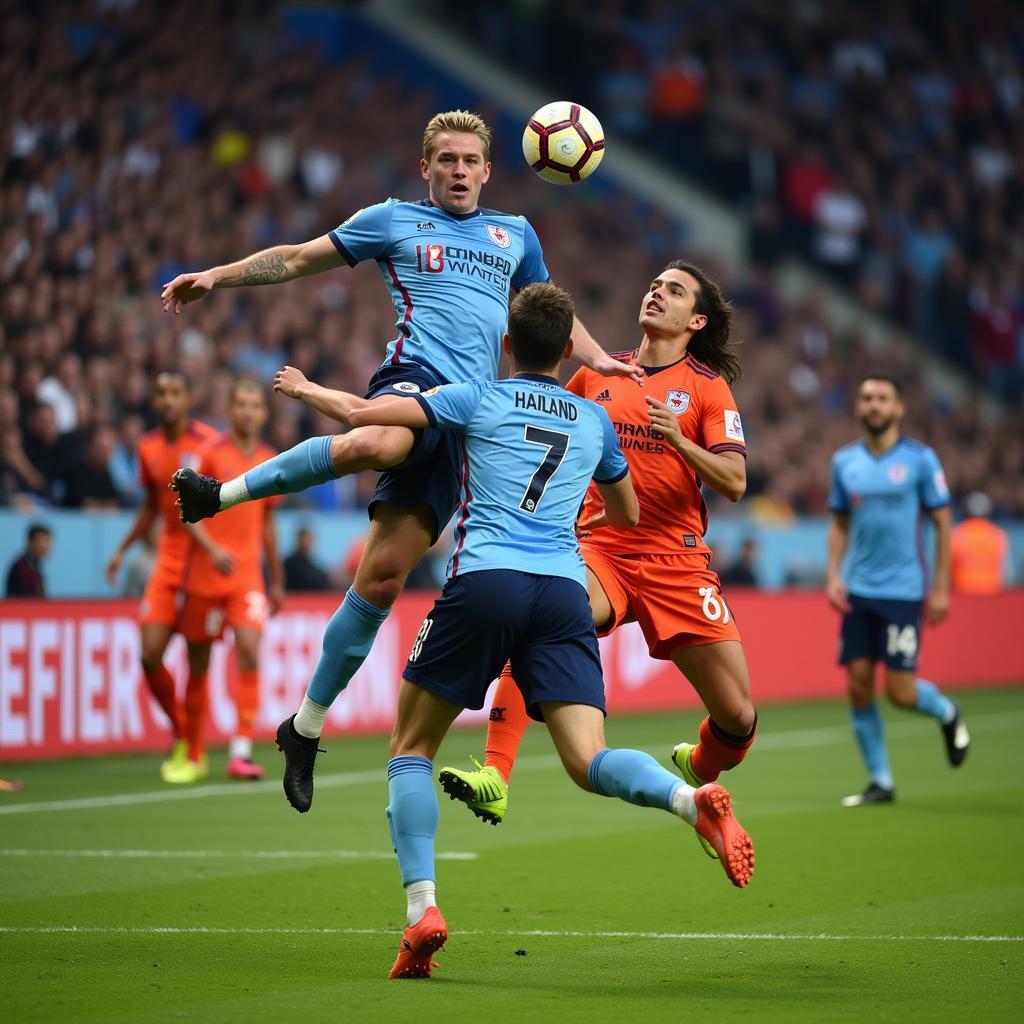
884,496
449,277
532,449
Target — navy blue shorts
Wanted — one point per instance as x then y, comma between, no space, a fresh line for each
542,624
431,473
881,630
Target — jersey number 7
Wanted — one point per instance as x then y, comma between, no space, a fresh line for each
557,445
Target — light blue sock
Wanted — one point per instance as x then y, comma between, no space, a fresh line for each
870,732
932,701
305,465
633,776
412,816
347,641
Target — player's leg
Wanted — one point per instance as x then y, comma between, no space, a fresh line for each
485,790
195,766
154,638
247,699
577,731
906,690
869,730
313,461
398,538
719,674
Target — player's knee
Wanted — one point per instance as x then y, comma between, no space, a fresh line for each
246,657
151,657
382,587
737,717
366,447
902,697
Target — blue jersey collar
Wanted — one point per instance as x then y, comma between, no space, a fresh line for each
540,378
888,451
454,216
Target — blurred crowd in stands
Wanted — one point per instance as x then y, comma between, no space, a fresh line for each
885,141
138,140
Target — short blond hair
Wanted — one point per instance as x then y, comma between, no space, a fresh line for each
456,121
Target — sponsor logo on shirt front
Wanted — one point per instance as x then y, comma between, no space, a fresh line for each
733,425
679,402
426,226
499,235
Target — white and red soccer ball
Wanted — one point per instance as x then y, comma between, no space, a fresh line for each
563,142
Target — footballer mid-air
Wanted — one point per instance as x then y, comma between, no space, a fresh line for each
449,266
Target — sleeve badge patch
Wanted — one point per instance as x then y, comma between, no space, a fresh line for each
734,425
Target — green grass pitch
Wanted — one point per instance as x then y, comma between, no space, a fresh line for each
234,908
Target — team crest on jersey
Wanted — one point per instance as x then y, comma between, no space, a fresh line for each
499,236
898,474
678,401
733,425
407,387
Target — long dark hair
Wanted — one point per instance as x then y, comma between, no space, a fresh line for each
713,344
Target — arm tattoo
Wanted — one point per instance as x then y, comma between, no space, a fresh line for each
264,270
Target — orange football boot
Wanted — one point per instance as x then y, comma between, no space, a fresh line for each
718,826
419,942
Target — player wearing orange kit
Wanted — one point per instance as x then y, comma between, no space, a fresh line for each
224,586
680,429
177,441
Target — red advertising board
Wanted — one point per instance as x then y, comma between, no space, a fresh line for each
70,681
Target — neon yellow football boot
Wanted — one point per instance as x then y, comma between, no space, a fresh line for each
482,790
681,754
187,772
179,755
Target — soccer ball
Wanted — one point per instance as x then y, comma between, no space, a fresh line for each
563,142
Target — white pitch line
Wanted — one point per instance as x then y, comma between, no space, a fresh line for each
529,933
818,737
227,854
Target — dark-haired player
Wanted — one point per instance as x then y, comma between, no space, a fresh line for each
178,441
516,592
679,429
881,487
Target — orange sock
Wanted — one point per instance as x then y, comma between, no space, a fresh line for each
161,685
717,751
195,713
506,726
247,702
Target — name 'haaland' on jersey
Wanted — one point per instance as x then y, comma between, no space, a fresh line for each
487,266
546,403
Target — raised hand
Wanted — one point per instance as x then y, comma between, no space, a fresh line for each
186,288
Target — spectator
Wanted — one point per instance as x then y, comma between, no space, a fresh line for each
90,484
980,549
742,571
25,576
301,573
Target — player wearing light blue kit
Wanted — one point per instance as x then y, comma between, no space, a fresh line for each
450,267
879,578
516,592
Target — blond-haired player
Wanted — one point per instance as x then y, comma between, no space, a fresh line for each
449,266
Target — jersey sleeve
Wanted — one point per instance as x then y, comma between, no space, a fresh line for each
931,485
613,466
145,473
366,235
531,267
452,405
838,499
721,425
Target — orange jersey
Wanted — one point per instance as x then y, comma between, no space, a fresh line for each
673,515
238,530
158,459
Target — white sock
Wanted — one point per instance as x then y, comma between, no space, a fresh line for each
683,805
241,746
233,492
419,895
309,720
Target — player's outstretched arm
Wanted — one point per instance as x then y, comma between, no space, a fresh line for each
349,409
587,352
270,266
621,507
